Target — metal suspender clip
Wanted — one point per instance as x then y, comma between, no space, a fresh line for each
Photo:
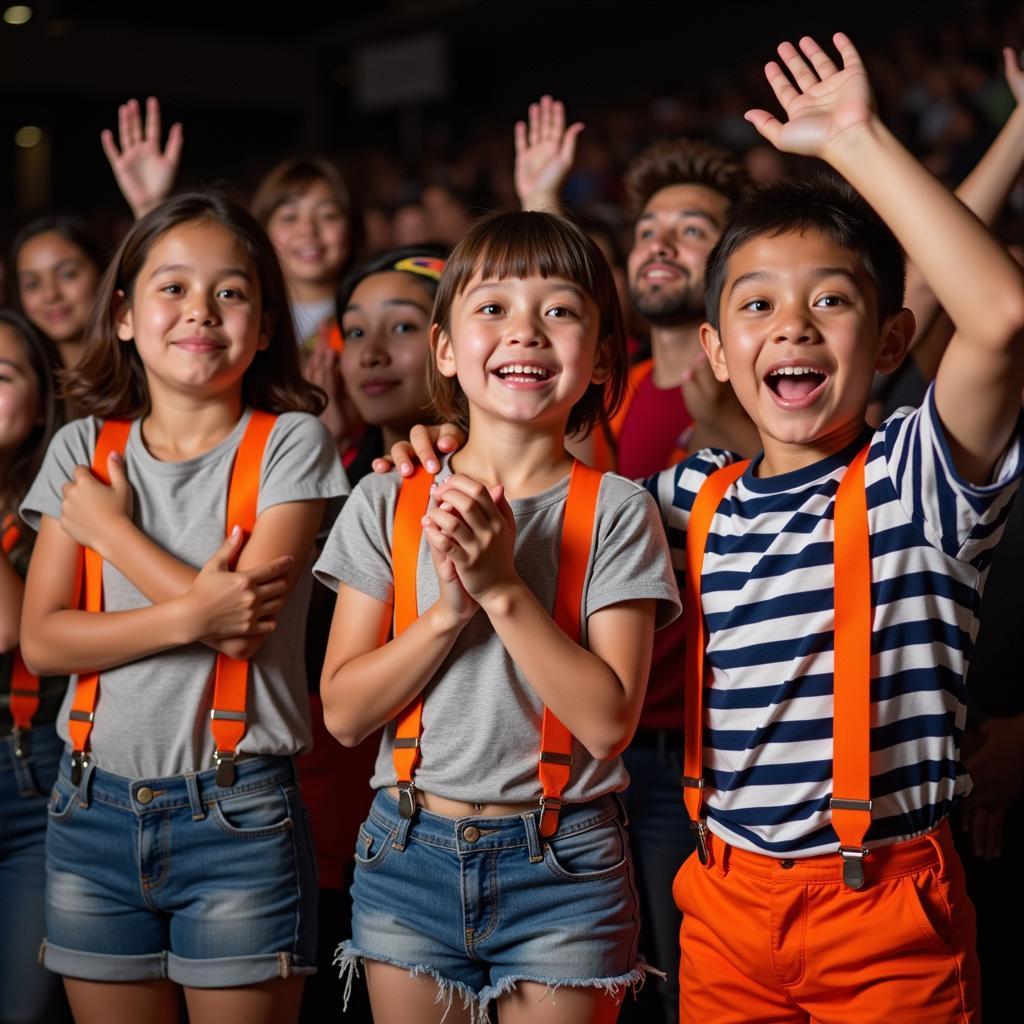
79,762
20,738
853,865
406,799
703,853
225,763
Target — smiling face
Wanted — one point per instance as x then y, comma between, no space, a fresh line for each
524,349
677,229
194,313
56,284
310,233
19,392
799,339
386,326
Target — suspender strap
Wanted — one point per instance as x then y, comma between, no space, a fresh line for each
851,802
851,742
555,761
231,675
555,765
24,696
413,499
709,497
113,437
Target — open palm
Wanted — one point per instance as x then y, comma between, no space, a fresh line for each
825,103
545,150
145,174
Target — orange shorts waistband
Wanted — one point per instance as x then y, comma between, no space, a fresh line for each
929,850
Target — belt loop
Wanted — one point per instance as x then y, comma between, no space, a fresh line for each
533,844
621,804
935,838
195,799
85,784
402,835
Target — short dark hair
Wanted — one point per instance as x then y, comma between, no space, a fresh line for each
520,244
823,203
110,380
685,162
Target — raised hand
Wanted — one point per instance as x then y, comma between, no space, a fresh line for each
545,150
1014,74
144,173
825,103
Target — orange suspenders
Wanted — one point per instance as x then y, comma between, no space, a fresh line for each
555,762
231,675
24,700
851,772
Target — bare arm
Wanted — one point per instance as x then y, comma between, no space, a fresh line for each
478,535
57,638
831,115
12,592
368,680
99,517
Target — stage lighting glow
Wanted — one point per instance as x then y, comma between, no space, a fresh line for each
17,15
28,136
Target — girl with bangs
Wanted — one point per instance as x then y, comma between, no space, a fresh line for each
499,625
191,362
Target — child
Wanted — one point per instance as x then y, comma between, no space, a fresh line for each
30,748
527,343
828,887
384,310
178,852
304,205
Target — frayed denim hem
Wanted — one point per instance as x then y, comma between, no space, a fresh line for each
616,987
348,959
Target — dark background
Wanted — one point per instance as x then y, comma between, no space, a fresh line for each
254,83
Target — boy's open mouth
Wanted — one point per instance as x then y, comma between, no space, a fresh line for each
795,383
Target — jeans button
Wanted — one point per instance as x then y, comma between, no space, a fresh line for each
471,833
144,795
787,864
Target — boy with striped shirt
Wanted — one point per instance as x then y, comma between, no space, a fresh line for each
804,297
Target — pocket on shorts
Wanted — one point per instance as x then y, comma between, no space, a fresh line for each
593,855
929,908
63,801
254,814
373,844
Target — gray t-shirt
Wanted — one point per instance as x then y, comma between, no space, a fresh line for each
153,715
481,719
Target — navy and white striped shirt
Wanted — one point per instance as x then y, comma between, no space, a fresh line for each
767,595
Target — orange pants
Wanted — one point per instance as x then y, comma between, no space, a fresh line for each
785,941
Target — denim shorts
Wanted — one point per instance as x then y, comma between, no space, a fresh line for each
179,878
482,903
